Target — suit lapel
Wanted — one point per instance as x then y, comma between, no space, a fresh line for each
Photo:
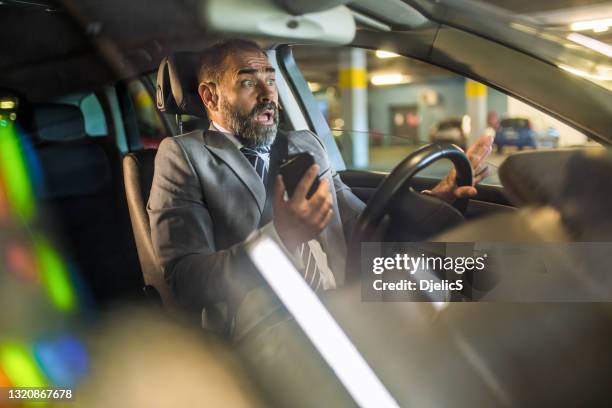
225,150
278,153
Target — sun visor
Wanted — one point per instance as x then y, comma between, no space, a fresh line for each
264,18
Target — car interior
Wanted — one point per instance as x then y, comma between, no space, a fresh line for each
95,176
105,249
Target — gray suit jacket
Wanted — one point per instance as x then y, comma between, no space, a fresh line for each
205,203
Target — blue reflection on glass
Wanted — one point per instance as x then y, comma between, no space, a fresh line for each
63,359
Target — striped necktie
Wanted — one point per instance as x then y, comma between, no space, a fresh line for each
312,274
259,158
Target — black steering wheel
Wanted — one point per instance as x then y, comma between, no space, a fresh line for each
425,215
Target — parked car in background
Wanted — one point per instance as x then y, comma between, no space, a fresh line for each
515,132
549,138
449,130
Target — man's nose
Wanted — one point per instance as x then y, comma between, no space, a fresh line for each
266,93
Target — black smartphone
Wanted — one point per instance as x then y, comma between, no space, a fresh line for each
294,168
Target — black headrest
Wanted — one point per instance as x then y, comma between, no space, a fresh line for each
58,122
177,85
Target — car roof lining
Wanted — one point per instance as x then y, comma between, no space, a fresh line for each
90,37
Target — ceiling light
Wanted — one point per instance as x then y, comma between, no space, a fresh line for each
390,79
466,125
584,74
596,25
314,86
591,43
385,54
7,104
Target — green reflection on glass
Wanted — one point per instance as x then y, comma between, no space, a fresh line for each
14,171
19,366
54,273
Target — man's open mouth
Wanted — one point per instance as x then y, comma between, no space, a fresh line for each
265,118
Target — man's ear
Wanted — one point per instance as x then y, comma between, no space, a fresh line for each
208,95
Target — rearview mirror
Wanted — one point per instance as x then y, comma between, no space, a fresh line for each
264,18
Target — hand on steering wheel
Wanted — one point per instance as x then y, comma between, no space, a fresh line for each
394,189
448,190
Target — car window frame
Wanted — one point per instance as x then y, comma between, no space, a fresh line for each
128,110
306,103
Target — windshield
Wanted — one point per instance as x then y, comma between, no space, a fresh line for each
408,104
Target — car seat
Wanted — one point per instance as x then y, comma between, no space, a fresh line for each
177,95
81,186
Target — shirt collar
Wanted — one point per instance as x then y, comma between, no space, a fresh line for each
215,126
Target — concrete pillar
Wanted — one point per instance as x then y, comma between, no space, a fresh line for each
476,102
353,84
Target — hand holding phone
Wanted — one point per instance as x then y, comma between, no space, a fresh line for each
310,206
294,168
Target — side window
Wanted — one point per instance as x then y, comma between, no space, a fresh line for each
93,114
95,122
382,106
150,125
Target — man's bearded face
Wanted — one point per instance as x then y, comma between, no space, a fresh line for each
256,128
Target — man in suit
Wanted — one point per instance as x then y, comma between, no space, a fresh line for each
215,191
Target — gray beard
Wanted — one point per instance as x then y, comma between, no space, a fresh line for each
251,133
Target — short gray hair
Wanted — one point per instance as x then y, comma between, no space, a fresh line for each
213,58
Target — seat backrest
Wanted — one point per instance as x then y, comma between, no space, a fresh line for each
138,168
79,184
177,94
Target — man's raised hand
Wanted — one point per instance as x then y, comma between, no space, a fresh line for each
477,154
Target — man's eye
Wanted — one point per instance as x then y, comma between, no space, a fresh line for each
248,83
271,81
